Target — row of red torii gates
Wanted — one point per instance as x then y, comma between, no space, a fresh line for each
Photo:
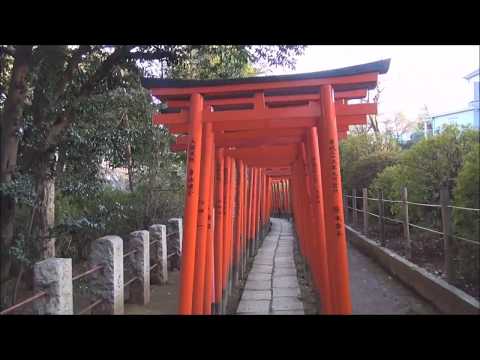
256,147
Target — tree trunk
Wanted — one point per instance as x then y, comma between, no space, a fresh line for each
124,124
44,218
10,126
130,167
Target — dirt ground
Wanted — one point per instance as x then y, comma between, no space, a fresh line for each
163,299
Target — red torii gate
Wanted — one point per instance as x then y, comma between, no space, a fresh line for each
258,146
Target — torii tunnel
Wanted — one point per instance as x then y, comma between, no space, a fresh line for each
259,147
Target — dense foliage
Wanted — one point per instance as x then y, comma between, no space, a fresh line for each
364,156
448,160
72,114
426,168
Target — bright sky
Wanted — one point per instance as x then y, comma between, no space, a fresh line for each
418,75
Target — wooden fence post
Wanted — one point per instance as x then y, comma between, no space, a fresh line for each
365,211
406,226
381,220
345,207
354,206
447,234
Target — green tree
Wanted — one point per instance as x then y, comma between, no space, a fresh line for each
428,166
467,223
365,155
67,109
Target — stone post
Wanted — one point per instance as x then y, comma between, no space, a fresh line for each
54,276
179,222
107,283
159,256
138,265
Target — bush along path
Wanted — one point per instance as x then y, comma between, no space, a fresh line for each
272,286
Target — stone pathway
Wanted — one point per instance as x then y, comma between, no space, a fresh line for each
272,286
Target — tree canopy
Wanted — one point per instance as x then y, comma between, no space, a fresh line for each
68,111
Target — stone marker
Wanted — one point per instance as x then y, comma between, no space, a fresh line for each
54,276
159,256
138,265
107,283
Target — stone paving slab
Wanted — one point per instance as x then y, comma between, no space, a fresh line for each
289,292
288,312
285,266
285,282
265,251
287,251
257,295
252,313
267,255
283,259
266,269
258,285
263,262
286,303
284,272
264,258
254,306
259,276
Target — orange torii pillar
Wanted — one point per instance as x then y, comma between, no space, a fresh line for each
285,182
251,234
219,234
275,198
233,217
269,198
231,242
191,205
254,209
259,207
265,202
209,271
308,213
202,222
237,223
245,217
332,189
227,225
240,219
279,195
285,192
298,194
318,204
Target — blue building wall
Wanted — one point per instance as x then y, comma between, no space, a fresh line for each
467,117
476,103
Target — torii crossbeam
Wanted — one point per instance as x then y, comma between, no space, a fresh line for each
260,146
